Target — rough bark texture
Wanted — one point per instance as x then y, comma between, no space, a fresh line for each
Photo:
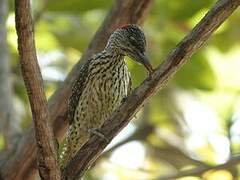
9,122
47,154
20,163
192,42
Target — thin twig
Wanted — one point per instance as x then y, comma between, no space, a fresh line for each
192,42
47,163
200,170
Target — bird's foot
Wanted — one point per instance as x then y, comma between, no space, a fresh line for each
95,131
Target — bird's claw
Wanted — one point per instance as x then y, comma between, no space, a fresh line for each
150,73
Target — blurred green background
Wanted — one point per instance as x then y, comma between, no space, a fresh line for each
194,121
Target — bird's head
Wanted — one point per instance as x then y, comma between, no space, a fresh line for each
130,40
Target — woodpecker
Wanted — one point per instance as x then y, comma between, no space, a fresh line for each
103,83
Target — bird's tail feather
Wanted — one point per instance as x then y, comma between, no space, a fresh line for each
70,148
64,155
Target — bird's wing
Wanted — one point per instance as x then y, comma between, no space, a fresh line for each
77,90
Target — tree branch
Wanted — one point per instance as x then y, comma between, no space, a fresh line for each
192,42
19,162
174,156
47,156
200,170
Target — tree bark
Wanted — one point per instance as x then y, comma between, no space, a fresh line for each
8,119
20,162
47,151
175,60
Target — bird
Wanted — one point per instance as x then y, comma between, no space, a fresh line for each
103,83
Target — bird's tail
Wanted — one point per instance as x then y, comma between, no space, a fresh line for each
64,154
70,147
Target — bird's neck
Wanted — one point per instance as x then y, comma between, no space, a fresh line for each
115,53
114,48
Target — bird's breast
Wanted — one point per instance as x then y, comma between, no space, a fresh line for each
111,86
106,86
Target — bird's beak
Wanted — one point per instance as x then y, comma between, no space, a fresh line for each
145,61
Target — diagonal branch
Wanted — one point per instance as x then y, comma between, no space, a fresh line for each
202,169
48,167
20,162
192,42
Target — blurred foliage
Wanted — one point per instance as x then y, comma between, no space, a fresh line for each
1,141
195,119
